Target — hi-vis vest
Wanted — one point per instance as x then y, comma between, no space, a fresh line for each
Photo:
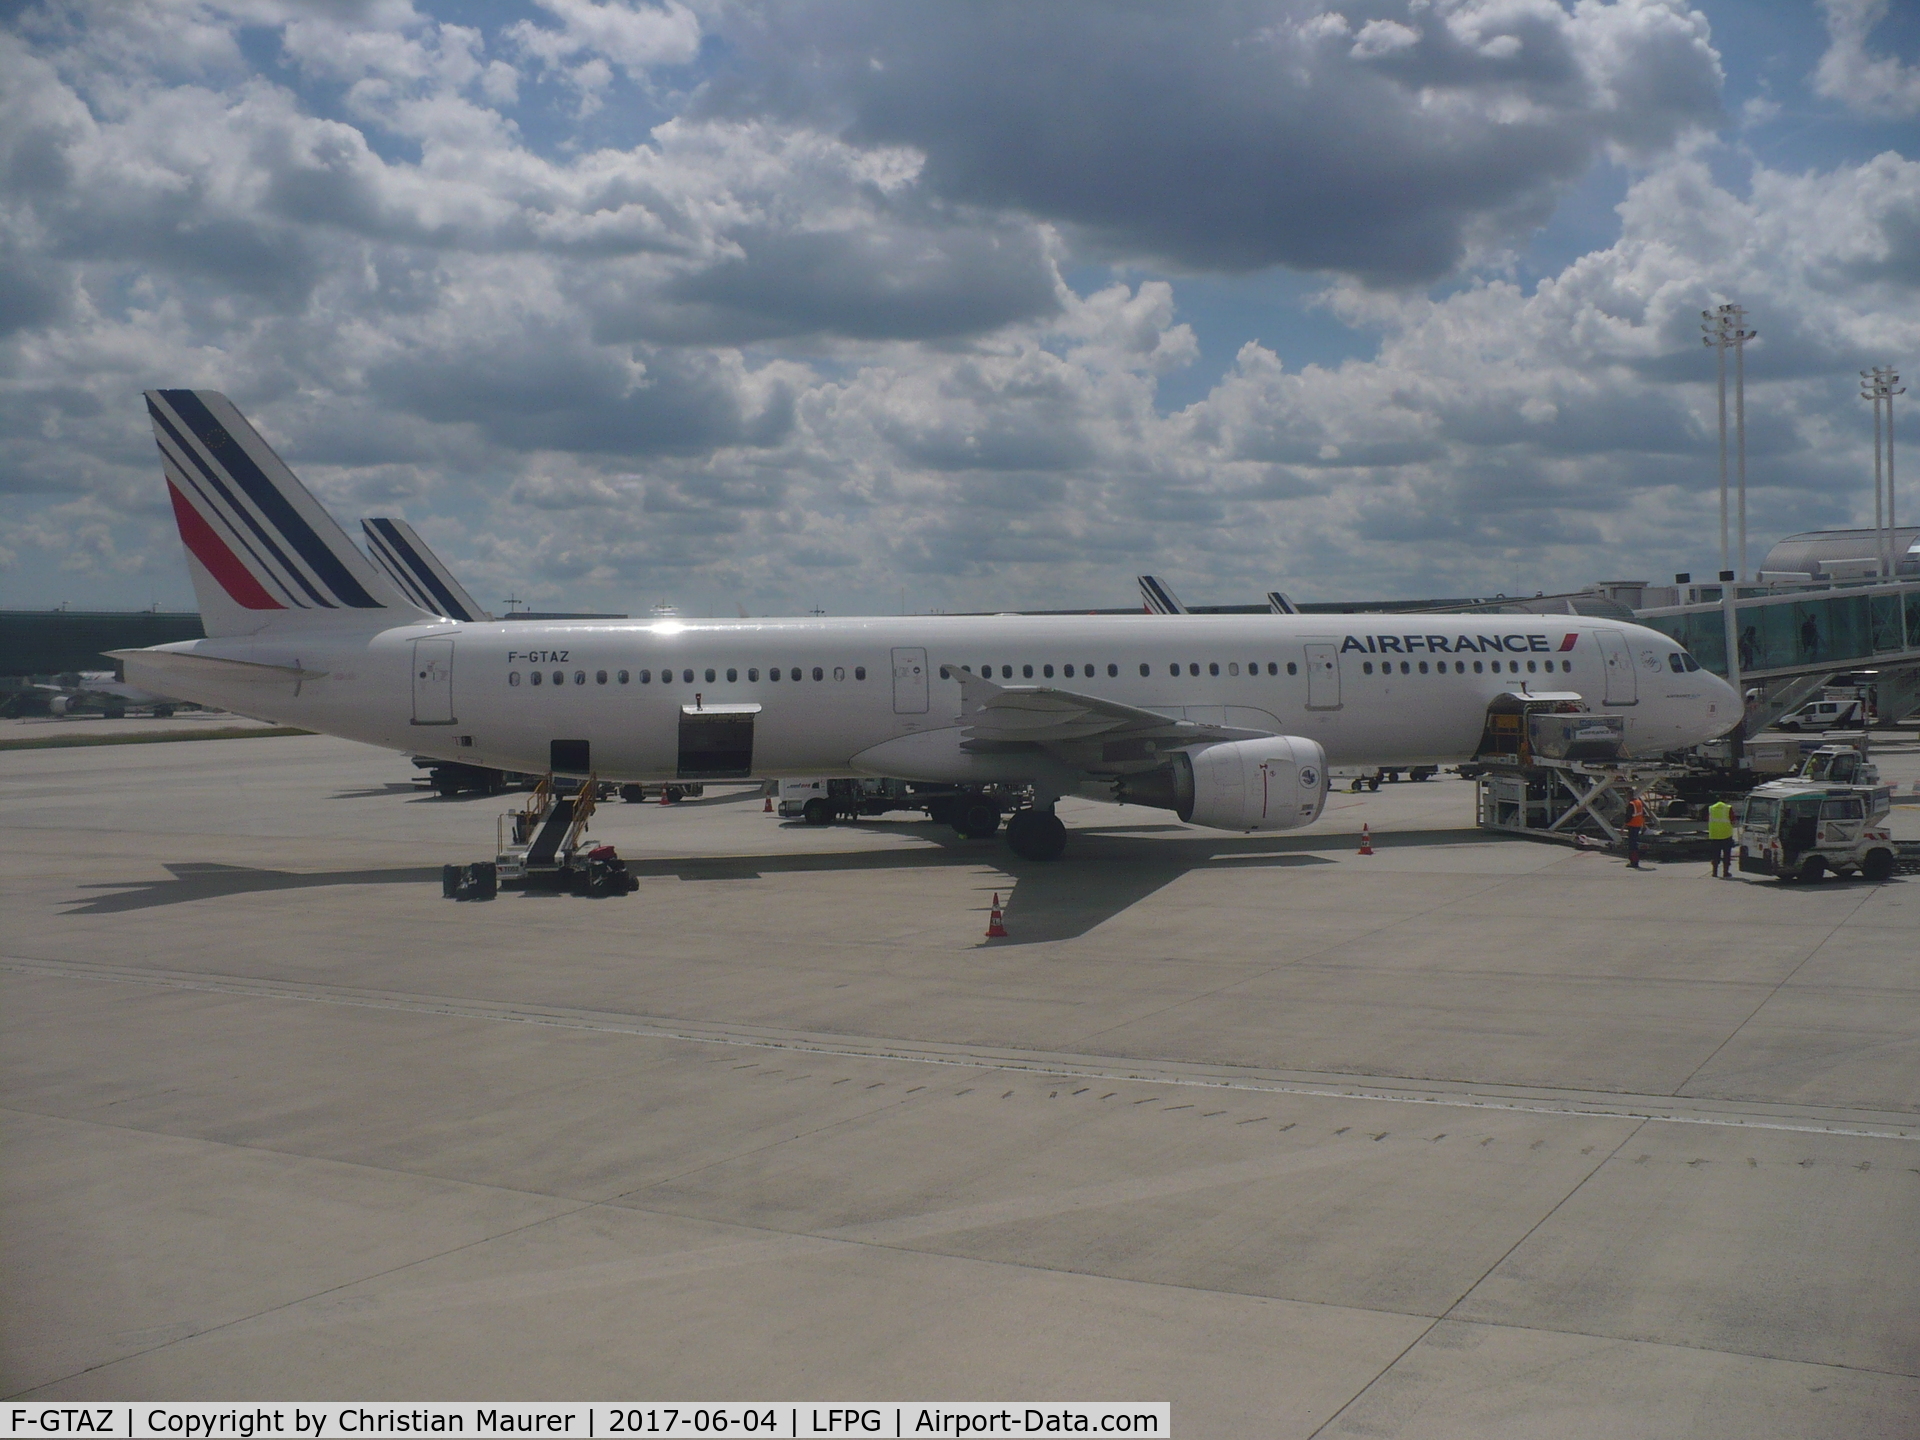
1637,814
1720,821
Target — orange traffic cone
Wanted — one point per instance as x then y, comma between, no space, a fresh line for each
1366,838
769,806
663,794
996,928
996,899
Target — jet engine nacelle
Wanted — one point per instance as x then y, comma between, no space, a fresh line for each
1277,783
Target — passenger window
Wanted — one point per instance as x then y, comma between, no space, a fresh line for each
666,677
622,676
840,672
646,677
1006,672
1530,667
773,673
513,677
1047,671
1213,667
535,677
599,677
1087,670
710,677
819,673
1067,672
1477,668
1273,669
1143,668
859,672
1423,667
1292,669
1405,668
732,675
1173,669
794,673
579,677
559,677
1193,669
1366,667
753,674
1112,670
1026,672
1233,667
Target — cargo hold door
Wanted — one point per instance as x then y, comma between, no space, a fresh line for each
433,682
716,742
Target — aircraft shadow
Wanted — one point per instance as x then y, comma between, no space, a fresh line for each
196,881
1106,871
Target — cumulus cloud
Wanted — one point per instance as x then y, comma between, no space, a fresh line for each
1240,136
1881,86
837,319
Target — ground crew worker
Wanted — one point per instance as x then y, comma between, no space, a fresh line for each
1636,828
1720,837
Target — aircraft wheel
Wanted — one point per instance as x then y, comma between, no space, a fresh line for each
817,812
1034,836
977,819
1877,866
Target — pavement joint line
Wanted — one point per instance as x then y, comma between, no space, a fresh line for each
1447,1094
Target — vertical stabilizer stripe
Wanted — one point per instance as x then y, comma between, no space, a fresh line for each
212,552
275,506
237,506
421,571
176,475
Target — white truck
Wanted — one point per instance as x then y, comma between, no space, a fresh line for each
1831,817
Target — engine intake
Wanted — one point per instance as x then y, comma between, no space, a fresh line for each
1276,783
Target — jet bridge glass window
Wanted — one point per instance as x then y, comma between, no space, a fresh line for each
513,677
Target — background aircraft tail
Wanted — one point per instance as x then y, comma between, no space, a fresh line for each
265,557
1158,599
421,575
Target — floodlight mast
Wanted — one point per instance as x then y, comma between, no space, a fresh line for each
1880,385
1724,326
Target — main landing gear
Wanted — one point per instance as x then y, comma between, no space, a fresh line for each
1036,834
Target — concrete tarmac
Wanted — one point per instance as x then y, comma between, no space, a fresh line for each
1473,1137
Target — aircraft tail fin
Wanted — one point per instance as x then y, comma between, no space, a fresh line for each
1279,604
421,575
264,555
1158,599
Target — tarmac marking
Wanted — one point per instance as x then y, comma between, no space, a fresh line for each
1666,1109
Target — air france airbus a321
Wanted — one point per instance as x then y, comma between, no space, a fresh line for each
1229,721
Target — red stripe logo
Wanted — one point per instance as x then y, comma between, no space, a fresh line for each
1567,644
211,551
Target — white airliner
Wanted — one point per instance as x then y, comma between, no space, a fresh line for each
1230,721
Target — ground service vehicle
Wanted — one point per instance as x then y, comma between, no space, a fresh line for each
1832,817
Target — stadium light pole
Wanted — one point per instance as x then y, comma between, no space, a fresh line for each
1870,391
1739,340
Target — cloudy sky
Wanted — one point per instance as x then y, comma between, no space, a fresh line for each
851,304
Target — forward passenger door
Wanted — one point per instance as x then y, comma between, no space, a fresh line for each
910,692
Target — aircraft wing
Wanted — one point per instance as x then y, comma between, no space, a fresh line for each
1051,718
